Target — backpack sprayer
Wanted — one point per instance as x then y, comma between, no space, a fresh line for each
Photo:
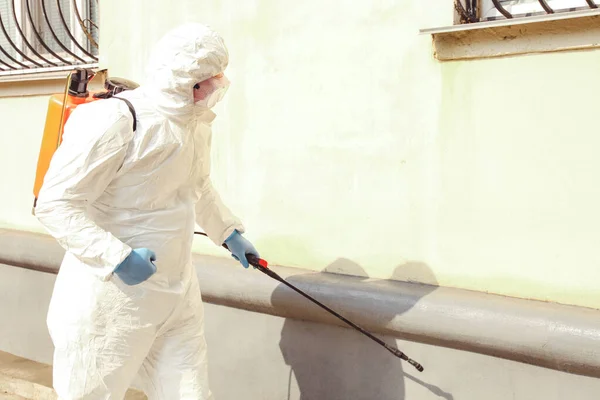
263,266
60,107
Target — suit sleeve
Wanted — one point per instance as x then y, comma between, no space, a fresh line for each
93,149
212,215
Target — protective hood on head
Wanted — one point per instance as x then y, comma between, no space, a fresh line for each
185,56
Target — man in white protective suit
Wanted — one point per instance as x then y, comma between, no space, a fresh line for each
124,205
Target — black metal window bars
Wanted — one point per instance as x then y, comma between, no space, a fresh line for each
468,10
40,35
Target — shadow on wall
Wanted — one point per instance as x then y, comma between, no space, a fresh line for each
330,362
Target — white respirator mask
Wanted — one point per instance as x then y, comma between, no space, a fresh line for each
209,92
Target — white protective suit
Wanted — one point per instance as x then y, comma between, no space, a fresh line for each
109,190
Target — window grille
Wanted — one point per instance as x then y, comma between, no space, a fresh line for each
488,10
47,35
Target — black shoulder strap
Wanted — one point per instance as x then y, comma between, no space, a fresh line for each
130,106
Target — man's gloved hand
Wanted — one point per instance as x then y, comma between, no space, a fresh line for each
137,267
239,246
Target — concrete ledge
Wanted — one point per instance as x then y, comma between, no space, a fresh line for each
575,30
560,337
41,83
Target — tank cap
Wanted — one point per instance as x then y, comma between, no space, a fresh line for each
80,78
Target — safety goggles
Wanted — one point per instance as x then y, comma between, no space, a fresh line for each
218,76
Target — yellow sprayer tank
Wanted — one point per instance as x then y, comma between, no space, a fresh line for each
60,107
56,117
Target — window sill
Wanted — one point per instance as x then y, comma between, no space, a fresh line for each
576,30
39,82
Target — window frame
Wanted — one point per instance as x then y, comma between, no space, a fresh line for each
75,56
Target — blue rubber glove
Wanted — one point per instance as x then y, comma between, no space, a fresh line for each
239,246
137,267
